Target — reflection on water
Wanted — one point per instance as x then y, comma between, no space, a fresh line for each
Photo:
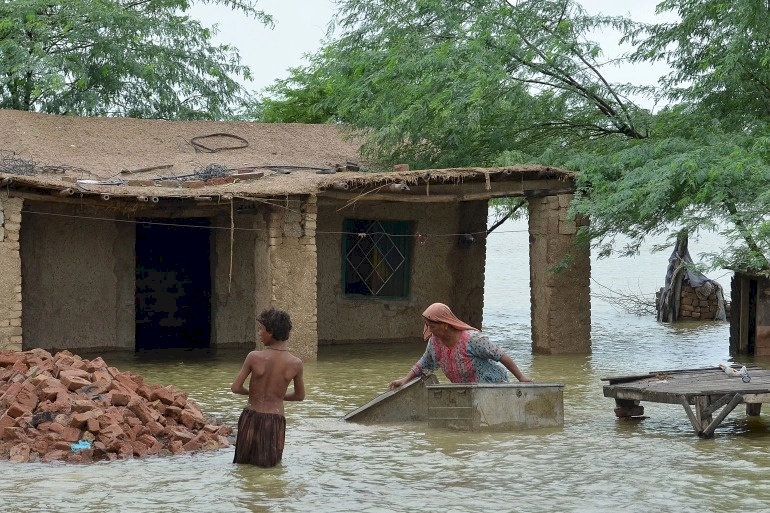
594,463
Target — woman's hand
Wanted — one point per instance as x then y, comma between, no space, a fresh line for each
400,382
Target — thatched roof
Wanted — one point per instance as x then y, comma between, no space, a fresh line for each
140,157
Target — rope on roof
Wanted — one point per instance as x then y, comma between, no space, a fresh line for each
195,141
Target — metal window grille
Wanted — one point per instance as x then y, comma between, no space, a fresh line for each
376,261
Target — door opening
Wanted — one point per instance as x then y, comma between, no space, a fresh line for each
173,284
751,336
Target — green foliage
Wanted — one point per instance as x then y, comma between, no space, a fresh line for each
443,84
138,58
715,181
719,57
706,165
303,98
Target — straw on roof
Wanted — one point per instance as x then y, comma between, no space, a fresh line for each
134,157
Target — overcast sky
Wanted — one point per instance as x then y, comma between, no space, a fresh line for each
300,25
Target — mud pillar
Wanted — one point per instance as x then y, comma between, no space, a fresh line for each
559,272
294,269
10,273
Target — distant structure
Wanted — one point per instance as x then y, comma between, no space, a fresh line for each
689,295
750,322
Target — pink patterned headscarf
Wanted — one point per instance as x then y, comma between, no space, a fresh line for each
439,312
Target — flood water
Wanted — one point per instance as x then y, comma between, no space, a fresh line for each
595,463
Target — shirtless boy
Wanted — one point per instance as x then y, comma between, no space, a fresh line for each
262,424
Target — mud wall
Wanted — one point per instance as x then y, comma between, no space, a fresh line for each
443,269
78,284
560,273
10,274
234,279
292,276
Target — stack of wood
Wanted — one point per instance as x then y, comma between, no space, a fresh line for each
64,407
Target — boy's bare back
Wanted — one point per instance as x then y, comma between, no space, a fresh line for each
270,373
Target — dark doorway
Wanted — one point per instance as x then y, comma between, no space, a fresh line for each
173,284
752,311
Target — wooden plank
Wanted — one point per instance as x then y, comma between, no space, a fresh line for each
684,401
736,388
701,409
715,405
469,191
623,379
669,397
145,169
709,390
719,387
743,321
709,431
352,197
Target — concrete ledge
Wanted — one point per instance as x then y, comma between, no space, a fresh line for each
496,407
467,407
406,404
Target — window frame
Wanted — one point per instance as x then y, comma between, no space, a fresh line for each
397,233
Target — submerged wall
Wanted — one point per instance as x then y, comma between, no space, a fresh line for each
560,279
235,277
443,269
79,279
79,269
291,281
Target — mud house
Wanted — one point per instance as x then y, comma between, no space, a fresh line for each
127,234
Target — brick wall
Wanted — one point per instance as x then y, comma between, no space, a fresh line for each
10,273
293,265
694,306
560,272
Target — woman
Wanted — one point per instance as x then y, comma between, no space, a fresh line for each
461,351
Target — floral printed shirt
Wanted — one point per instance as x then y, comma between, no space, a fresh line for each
474,359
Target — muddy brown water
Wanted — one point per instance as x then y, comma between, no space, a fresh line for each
594,463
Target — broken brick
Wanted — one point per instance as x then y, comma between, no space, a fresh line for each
48,403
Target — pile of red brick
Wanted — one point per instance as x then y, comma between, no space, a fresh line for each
64,407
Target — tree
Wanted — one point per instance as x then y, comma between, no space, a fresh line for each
679,180
719,57
304,97
442,84
457,83
138,58
707,164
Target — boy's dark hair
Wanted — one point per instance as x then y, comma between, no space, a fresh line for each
276,322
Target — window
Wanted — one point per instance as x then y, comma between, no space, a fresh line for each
376,257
